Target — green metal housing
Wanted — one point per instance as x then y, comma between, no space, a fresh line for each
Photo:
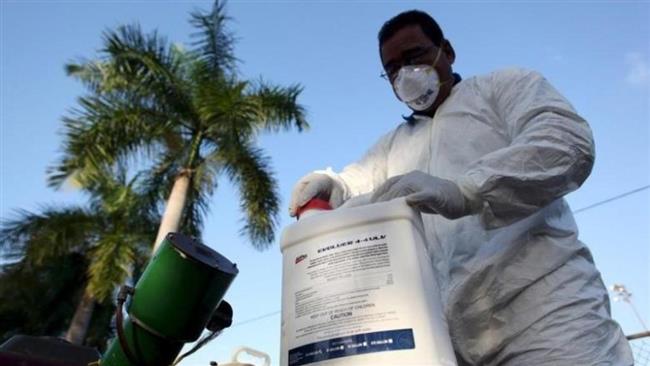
173,301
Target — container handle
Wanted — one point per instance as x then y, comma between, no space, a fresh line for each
252,352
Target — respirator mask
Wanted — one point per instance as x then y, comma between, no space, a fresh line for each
418,85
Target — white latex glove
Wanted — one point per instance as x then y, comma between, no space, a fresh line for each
315,185
360,200
425,193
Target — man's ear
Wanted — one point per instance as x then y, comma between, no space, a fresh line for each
449,52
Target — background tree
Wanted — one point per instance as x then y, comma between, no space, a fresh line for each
176,120
66,253
41,299
189,114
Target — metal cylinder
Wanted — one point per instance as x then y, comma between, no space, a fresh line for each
147,348
173,301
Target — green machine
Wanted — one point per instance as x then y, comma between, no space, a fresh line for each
179,294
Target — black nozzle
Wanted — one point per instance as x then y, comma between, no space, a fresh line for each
221,318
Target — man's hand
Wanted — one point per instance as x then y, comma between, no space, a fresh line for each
315,185
425,193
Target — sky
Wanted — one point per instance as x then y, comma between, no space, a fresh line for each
596,53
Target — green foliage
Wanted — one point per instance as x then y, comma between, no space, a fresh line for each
39,299
51,233
213,42
158,110
101,329
58,253
114,233
179,112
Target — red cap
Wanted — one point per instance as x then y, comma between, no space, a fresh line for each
313,204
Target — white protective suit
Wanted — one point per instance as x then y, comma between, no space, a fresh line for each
519,288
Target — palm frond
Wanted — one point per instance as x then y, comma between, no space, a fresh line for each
110,264
240,108
213,42
92,74
157,181
152,68
278,108
100,76
105,129
225,109
250,172
52,233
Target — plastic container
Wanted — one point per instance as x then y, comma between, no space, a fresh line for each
359,290
255,353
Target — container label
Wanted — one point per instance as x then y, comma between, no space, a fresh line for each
352,345
361,288
342,287
338,285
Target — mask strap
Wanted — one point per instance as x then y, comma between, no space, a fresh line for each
437,55
436,61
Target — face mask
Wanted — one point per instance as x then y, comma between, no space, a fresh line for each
418,85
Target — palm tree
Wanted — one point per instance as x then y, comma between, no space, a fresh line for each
112,235
185,117
41,299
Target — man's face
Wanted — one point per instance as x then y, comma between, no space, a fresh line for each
410,46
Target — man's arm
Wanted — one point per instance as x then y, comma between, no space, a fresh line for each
551,151
367,173
355,179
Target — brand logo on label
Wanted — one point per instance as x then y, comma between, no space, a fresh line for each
301,258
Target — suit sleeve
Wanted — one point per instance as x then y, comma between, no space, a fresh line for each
551,151
367,173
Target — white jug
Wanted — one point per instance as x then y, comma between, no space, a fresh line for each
359,290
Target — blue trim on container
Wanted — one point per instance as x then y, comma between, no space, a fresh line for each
358,344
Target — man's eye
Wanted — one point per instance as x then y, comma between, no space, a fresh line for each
415,56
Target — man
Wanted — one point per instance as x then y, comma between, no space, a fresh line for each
487,161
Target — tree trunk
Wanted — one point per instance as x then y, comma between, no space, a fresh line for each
76,333
174,208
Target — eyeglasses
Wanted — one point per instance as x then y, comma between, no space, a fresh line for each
414,56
